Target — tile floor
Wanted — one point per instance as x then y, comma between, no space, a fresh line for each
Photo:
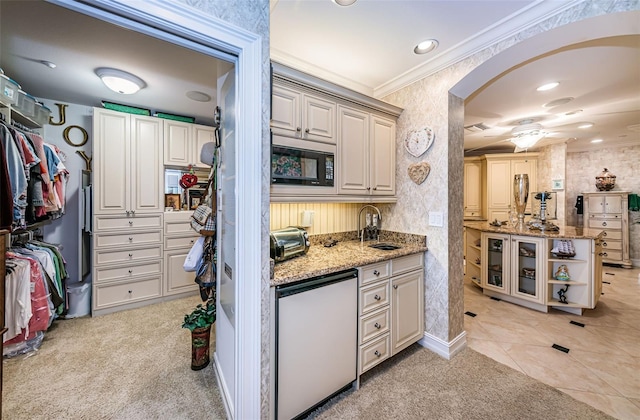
602,367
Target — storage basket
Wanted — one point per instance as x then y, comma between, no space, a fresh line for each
8,90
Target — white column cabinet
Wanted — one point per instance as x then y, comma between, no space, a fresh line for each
127,156
183,142
366,153
473,187
302,115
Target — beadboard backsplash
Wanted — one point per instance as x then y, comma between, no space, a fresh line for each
328,217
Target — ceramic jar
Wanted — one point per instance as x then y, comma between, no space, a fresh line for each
605,181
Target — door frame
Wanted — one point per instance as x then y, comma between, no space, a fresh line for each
182,25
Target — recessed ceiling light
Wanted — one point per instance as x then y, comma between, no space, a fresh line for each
548,86
557,102
120,81
585,125
344,2
425,46
198,96
596,141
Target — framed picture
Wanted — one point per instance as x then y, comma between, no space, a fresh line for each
172,200
557,184
194,202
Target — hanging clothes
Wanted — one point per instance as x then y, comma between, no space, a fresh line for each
6,196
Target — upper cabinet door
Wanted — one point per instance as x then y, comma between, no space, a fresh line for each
353,151
612,204
285,111
499,183
111,161
203,135
472,189
319,119
177,143
147,185
382,168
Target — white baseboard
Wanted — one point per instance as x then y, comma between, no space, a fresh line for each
442,348
224,391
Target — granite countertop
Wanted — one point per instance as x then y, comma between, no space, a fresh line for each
569,232
347,253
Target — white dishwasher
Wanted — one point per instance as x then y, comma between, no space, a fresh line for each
316,346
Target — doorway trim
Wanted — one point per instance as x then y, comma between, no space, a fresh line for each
180,24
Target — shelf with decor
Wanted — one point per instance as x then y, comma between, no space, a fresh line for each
473,253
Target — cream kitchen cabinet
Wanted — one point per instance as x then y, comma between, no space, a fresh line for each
390,308
500,171
127,164
366,153
179,237
473,187
183,142
300,114
607,211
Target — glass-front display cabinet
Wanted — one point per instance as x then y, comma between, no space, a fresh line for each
495,258
527,268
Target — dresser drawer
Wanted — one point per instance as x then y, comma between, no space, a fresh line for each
374,324
112,294
127,255
608,224
374,272
145,221
610,255
375,352
373,297
407,263
612,234
122,272
128,239
608,244
179,242
179,228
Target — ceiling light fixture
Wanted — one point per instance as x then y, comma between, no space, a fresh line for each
344,2
527,135
426,46
49,64
596,141
548,86
198,96
120,81
586,125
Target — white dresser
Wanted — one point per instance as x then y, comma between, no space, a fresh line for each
608,211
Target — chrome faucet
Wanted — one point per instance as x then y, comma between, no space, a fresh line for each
372,224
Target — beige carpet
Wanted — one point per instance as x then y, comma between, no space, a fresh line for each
136,365
130,365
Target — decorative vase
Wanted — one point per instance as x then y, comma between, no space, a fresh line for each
200,338
605,181
520,195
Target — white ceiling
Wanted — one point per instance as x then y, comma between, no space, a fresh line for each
367,47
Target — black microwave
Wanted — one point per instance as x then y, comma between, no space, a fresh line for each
295,166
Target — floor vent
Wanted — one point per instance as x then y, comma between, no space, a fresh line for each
559,347
471,314
579,324
495,298
606,282
610,274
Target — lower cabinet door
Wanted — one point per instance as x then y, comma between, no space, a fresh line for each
407,310
176,279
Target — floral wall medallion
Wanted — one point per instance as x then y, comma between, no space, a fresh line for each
419,141
418,172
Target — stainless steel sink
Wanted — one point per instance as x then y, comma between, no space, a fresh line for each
385,246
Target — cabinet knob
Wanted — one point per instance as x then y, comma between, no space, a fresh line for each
368,188
191,241
130,222
604,244
604,223
395,286
306,130
133,212
604,254
130,239
376,273
298,129
377,297
375,188
604,234
377,353
130,255
377,325
130,291
127,213
130,271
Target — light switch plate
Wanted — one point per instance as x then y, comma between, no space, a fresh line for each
436,219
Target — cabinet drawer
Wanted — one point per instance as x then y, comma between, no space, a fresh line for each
374,324
128,239
145,221
612,234
127,255
374,297
112,294
179,228
375,352
374,272
609,224
610,255
122,272
472,213
179,242
608,244
404,264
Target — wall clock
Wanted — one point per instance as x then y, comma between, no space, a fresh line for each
419,141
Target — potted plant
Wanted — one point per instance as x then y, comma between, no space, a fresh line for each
199,322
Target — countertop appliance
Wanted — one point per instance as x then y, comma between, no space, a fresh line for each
288,243
316,341
290,165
